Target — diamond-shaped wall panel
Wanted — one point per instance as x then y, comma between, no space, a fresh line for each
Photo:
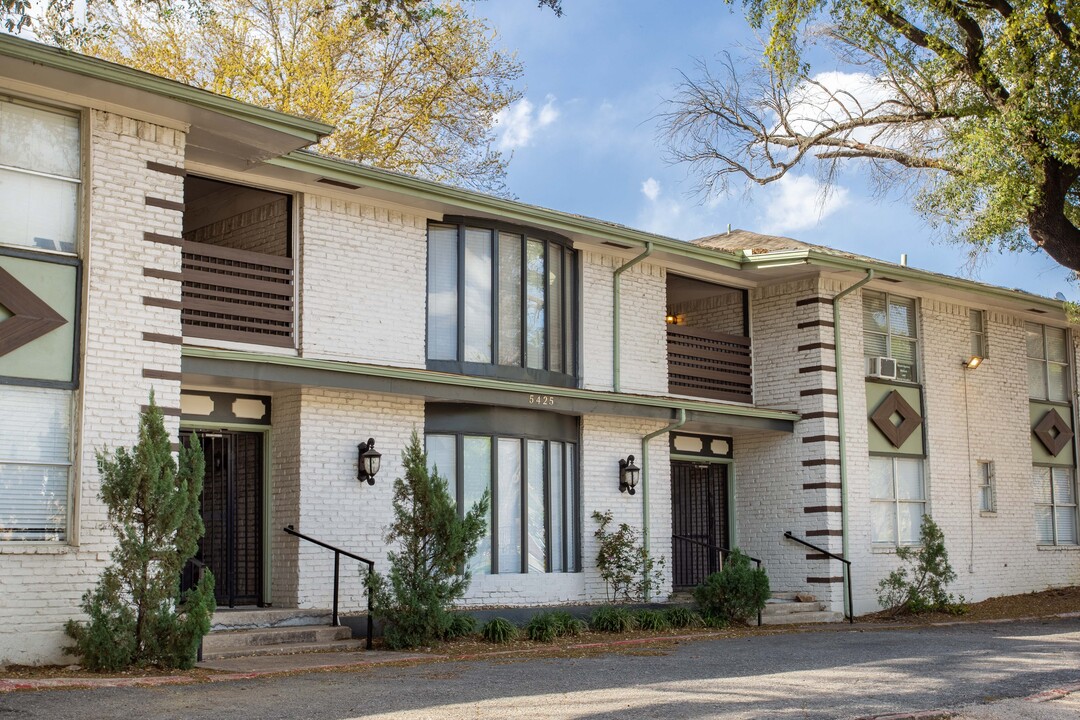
1053,432
31,317
910,419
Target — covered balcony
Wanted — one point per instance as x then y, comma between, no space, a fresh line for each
708,343
238,273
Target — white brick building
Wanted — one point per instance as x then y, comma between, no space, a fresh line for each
288,307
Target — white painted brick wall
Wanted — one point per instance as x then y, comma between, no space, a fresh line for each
46,582
364,283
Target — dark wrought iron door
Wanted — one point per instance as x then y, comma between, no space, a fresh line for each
231,504
699,521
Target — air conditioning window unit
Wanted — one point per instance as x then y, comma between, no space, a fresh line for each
882,367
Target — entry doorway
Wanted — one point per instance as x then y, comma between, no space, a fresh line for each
232,511
699,521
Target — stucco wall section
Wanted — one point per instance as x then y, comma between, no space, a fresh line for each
46,581
364,283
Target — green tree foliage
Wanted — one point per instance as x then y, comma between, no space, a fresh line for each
735,594
973,104
920,584
629,572
428,570
153,511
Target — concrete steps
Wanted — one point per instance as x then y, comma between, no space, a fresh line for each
785,609
246,632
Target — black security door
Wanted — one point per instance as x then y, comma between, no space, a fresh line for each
231,504
699,521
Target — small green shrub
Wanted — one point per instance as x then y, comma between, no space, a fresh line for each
629,572
715,621
735,594
652,620
460,625
499,630
612,619
567,625
680,617
542,628
919,585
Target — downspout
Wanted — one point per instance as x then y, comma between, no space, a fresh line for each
645,533
850,611
616,379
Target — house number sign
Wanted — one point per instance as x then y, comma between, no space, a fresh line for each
548,400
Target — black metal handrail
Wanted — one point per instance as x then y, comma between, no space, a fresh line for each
338,552
724,552
847,571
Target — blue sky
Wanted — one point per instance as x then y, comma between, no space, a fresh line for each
584,140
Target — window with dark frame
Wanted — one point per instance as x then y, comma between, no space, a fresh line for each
977,327
502,301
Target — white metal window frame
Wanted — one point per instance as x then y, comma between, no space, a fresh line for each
1055,504
889,334
987,489
979,344
1046,362
897,503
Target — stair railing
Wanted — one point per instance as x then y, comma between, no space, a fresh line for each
847,571
338,552
723,551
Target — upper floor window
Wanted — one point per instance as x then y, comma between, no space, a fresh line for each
39,177
1047,362
889,330
501,296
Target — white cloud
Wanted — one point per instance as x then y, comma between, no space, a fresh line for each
651,189
798,202
519,122
834,97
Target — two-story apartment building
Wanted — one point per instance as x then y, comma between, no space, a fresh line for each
288,307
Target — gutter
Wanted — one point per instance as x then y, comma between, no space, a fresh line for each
645,527
616,316
838,355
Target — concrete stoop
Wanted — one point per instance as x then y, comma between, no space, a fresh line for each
787,609
255,632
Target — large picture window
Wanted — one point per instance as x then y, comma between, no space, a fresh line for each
501,301
35,463
532,477
889,330
39,177
1047,362
897,499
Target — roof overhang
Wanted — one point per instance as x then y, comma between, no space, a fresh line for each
252,371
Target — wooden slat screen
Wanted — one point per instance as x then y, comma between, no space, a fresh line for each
709,364
237,295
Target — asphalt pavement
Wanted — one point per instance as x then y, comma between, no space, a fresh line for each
975,671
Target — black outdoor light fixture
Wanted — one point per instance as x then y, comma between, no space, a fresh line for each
628,475
367,467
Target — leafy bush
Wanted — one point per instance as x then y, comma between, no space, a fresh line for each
542,627
567,624
680,617
460,625
612,619
919,585
629,572
652,620
499,630
428,570
734,594
152,504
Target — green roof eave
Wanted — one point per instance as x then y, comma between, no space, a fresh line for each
511,210
468,381
310,131
784,258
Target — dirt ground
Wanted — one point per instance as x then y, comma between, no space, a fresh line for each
1040,604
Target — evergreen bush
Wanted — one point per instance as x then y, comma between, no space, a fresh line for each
735,594
428,570
919,584
137,616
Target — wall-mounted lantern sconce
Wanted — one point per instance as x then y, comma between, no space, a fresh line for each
670,319
972,362
628,475
367,467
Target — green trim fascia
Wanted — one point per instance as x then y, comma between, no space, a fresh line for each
889,270
487,383
509,210
21,49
